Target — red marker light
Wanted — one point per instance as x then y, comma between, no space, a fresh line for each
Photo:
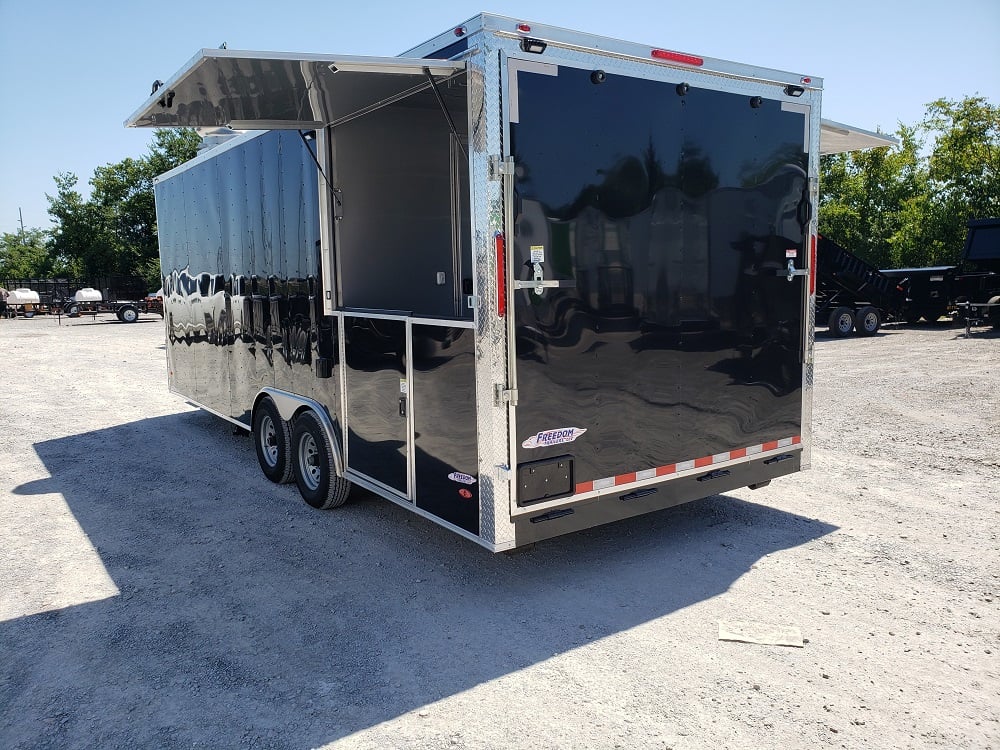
501,274
662,54
460,31
812,265
807,80
523,28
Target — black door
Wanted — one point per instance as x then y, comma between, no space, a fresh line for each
668,217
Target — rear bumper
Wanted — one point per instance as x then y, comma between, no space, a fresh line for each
635,501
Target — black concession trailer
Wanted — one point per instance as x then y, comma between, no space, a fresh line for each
520,280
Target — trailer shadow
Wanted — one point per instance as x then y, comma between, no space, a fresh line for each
977,332
246,618
822,335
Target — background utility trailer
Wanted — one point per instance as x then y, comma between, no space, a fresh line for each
542,280
125,296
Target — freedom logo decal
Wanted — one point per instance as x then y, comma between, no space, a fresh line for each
545,438
457,476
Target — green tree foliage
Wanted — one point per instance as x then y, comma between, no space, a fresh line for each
909,205
114,230
24,255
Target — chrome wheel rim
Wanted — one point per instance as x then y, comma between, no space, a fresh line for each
269,441
309,462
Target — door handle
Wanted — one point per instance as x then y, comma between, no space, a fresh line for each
402,406
792,271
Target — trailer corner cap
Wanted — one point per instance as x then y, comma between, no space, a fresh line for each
277,90
837,138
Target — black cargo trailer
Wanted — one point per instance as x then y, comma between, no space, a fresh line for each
522,280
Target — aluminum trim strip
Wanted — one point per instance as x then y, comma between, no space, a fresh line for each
444,322
411,464
399,315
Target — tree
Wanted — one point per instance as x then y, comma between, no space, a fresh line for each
80,233
114,231
24,255
909,205
865,194
963,169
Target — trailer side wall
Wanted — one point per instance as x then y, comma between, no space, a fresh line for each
239,231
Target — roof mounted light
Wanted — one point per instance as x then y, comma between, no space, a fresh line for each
459,31
664,54
524,28
795,91
535,46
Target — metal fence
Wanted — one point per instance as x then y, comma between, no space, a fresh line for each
112,288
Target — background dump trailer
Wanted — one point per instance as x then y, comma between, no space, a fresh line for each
970,290
521,280
852,295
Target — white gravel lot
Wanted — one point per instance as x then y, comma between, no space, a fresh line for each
157,591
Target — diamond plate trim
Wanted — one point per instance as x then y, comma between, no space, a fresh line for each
485,140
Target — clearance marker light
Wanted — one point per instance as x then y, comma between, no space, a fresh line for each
501,275
812,265
662,54
524,28
460,31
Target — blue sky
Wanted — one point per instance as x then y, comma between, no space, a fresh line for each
71,72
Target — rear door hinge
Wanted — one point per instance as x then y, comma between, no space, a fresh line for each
503,396
499,166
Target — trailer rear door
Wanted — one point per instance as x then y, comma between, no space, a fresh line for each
655,325
276,90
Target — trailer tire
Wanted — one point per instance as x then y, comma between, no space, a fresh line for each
312,460
841,322
128,314
273,442
72,310
994,312
868,321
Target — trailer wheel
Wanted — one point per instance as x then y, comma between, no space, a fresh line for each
868,322
72,310
841,322
312,458
994,312
128,314
272,439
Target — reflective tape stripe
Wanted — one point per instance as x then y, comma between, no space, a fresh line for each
697,463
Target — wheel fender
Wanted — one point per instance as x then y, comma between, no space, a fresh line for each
290,404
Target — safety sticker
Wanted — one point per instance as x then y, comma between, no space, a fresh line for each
457,476
791,253
538,253
404,388
545,438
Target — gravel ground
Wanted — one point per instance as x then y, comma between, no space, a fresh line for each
157,591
